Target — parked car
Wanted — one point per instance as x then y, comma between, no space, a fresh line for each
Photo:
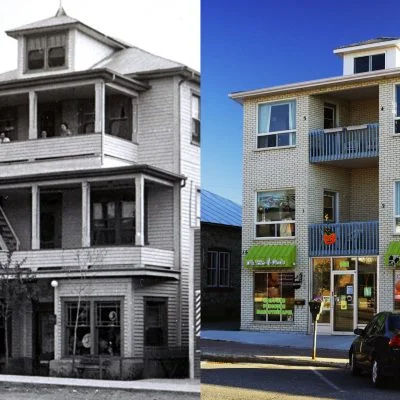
377,348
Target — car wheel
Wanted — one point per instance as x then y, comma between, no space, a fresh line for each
355,371
378,379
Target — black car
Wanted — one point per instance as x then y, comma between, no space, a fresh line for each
377,348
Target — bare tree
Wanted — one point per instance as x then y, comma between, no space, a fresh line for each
87,259
17,287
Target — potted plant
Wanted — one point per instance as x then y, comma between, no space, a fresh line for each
329,236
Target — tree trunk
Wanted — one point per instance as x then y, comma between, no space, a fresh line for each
6,333
75,333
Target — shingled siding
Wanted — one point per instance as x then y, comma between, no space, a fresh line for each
220,303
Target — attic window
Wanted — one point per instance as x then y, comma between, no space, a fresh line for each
369,63
46,52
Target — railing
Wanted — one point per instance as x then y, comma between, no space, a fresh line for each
344,143
352,239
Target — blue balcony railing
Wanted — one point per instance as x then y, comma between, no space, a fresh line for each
352,239
345,143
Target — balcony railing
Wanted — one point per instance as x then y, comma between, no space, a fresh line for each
344,143
352,239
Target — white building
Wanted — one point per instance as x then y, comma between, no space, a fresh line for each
322,157
106,210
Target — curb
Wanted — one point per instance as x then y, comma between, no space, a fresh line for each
241,358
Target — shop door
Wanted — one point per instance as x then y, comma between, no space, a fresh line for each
343,304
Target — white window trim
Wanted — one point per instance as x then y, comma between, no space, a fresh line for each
272,222
328,103
394,209
369,62
396,117
292,131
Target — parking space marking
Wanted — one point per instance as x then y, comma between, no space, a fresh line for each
326,380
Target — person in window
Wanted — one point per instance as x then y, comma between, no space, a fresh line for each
4,138
64,129
43,134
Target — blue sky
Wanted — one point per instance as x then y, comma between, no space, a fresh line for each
263,43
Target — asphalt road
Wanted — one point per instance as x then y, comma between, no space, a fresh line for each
225,381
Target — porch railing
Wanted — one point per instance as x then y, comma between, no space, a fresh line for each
352,238
344,143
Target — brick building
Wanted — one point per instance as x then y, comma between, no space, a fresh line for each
221,232
321,195
105,212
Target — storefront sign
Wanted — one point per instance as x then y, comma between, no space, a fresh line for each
267,261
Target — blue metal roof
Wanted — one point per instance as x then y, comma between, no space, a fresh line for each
219,210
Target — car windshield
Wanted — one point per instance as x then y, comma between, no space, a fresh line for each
394,322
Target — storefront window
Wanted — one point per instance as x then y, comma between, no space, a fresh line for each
397,290
366,289
344,264
321,286
273,296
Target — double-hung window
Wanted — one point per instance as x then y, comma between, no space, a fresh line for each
218,268
276,124
196,119
397,207
275,214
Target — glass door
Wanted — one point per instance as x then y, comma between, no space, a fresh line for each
343,302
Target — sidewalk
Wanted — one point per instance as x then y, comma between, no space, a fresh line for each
274,347
155,385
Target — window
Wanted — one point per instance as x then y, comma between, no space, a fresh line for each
369,63
218,268
155,322
329,116
273,296
330,206
8,121
113,220
46,52
276,124
397,207
86,116
322,285
397,117
119,116
98,328
196,119
275,214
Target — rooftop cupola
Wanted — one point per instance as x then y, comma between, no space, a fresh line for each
370,55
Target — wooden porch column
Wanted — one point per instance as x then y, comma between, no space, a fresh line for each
85,214
33,129
99,106
35,217
139,211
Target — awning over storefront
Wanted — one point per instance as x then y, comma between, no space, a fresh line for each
392,255
271,256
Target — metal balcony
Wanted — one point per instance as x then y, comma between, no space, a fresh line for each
344,143
352,239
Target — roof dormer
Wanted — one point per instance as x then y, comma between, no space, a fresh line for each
60,44
370,55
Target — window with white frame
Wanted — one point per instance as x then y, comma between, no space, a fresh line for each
372,62
218,268
275,214
397,207
397,117
195,119
276,124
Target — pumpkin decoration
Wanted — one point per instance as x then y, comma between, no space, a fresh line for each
329,236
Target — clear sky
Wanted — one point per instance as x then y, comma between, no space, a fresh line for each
169,28
257,43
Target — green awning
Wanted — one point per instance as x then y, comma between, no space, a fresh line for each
392,252
271,256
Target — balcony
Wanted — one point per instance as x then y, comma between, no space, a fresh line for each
352,239
96,259
357,142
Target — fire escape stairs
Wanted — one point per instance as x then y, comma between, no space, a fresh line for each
8,238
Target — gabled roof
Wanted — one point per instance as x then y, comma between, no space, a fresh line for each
134,60
379,39
219,210
62,20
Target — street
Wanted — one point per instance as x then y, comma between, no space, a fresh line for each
11,391
226,381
